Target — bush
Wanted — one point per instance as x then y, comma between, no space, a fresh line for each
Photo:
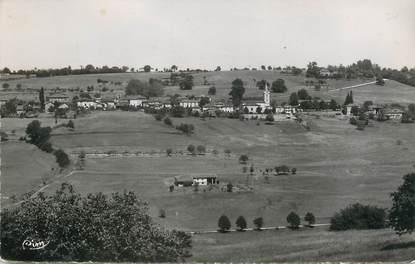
70,124
224,224
229,187
158,117
294,220
310,218
241,223
358,216
191,148
243,159
61,158
162,213
168,121
186,128
201,149
259,223
169,151
89,228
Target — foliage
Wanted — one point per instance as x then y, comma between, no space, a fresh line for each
92,228
402,213
278,86
310,218
201,149
42,98
178,111
261,84
224,224
169,151
293,99
212,90
191,148
168,121
158,116
358,216
229,187
61,158
241,223
186,83
313,70
349,98
204,100
237,91
294,220
186,128
259,223
303,94
243,158
152,88
70,124
37,135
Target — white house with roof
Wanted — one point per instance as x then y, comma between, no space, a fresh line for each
189,103
59,98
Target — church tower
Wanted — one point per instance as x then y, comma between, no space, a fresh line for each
267,95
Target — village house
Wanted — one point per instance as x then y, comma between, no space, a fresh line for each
135,101
394,113
57,98
189,103
86,103
196,179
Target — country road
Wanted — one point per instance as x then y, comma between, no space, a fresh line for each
354,86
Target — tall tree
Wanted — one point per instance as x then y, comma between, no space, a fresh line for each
402,214
294,99
237,92
42,99
223,223
241,223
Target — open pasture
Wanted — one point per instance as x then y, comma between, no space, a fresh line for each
336,165
302,246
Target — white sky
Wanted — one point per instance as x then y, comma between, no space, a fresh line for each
204,34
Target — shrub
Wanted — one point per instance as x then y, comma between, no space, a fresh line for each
191,148
158,117
168,121
310,218
89,228
241,223
61,158
169,151
224,224
259,223
358,216
294,220
243,159
229,187
201,149
70,124
293,170
162,213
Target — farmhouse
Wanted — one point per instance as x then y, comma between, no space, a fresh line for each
198,179
189,103
394,113
87,103
135,101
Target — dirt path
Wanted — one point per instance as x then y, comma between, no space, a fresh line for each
354,86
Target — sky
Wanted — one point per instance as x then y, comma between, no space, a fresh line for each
205,34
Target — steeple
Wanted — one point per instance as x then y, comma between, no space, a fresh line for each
267,95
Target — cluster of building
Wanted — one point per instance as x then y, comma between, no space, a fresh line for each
389,112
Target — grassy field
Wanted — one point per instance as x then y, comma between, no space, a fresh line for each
337,165
302,246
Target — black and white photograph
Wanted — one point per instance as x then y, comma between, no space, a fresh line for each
221,131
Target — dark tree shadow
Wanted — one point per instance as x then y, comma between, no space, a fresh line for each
399,245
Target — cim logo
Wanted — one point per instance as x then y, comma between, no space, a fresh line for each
34,244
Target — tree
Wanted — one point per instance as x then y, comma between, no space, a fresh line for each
62,158
379,80
333,105
349,98
243,159
42,99
147,68
269,117
169,151
237,91
313,70
152,88
212,90
174,68
358,216
227,152
261,84
186,128
278,86
204,100
309,217
294,170
187,82
402,213
224,224
71,124
241,223
162,213
201,149
259,223
95,227
229,187
5,85
6,70
168,121
218,68
303,94
294,99
191,148
294,220
37,135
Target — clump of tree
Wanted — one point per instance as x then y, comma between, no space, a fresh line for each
293,220
101,228
349,98
282,170
152,88
293,99
186,82
192,149
358,216
241,223
303,94
278,86
187,129
212,90
38,135
62,158
224,224
402,213
237,92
